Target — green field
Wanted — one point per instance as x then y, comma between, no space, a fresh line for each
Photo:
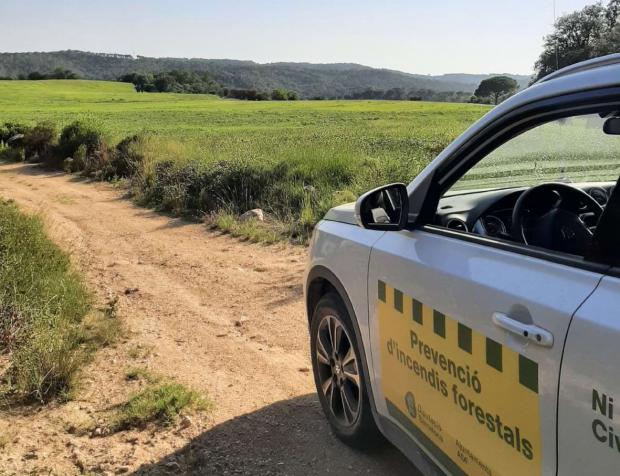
339,148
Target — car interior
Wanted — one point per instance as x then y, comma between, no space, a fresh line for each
547,187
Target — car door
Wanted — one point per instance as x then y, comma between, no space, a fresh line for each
588,429
466,342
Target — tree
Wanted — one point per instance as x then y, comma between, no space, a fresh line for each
394,94
36,76
587,33
163,83
495,87
279,95
140,82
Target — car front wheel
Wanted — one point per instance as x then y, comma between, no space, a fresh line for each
339,376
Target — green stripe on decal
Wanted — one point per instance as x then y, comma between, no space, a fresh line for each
381,291
528,373
464,338
416,311
494,354
439,323
424,440
398,300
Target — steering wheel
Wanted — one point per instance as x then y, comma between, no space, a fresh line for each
560,228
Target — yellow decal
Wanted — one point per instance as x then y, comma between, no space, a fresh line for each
471,400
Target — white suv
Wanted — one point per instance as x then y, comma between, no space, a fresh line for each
475,314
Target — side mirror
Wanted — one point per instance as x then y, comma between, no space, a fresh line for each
385,208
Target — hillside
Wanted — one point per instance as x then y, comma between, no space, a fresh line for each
309,80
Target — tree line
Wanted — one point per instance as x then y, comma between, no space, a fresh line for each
402,94
199,82
58,73
192,82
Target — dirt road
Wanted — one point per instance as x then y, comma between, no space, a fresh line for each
219,315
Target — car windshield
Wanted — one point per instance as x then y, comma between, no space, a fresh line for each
573,149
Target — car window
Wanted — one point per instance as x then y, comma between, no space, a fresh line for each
570,150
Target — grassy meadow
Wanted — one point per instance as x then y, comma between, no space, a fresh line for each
294,159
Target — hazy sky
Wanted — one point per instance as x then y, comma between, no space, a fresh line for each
418,36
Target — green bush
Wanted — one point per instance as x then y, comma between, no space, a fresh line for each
126,159
11,129
83,139
79,133
39,141
11,154
42,304
233,186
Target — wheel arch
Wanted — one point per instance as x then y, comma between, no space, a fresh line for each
321,281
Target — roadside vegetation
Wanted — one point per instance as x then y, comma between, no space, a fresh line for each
158,402
48,328
204,156
152,400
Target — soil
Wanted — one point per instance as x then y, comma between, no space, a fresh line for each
219,315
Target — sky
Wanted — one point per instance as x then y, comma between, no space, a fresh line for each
416,36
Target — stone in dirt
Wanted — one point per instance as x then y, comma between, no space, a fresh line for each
256,214
32,454
186,421
15,138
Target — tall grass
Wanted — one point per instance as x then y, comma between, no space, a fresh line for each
43,303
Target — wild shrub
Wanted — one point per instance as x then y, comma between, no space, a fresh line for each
39,141
79,133
11,154
10,130
96,163
238,185
86,144
126,159
230,187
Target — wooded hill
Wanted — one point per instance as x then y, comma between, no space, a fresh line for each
308,80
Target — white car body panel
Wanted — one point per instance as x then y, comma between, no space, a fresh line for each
589,434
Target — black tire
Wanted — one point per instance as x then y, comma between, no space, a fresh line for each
359,430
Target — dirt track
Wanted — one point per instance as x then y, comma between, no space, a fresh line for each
219,315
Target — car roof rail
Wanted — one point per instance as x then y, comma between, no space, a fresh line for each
582,66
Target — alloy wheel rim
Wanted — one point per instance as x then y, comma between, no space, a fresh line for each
338,370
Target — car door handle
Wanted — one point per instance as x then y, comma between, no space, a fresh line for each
536,334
